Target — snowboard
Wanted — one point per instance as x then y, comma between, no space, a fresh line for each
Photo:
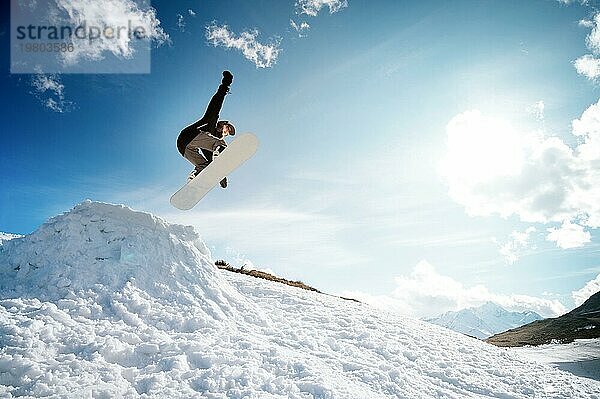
234,155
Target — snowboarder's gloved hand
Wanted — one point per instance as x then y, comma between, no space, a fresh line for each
218,150
227,78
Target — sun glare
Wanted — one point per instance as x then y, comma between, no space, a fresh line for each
479,148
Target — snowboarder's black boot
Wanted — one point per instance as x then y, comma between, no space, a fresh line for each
227,78
193,174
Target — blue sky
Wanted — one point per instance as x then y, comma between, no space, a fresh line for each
375,176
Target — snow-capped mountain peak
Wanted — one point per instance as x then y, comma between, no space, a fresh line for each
484,321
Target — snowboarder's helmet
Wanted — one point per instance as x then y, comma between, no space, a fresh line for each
220,125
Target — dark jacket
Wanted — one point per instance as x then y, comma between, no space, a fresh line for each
208,123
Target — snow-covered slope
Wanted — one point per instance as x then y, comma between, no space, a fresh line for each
581,357
106,302
7,237
484,321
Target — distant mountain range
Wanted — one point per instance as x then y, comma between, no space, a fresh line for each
483,321
580,323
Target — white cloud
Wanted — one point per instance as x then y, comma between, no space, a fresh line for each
265,55
49,89
589,65
569,235
262,55
180,23
312,7
580,296
573,1
538,110
491,168
181,19
427,293
107,13
518,242
300,28
523,49
31,4
587,130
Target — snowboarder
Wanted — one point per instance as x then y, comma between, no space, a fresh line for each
204,139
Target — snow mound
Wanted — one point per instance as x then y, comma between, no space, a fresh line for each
97,250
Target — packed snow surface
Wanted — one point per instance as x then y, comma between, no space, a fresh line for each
581,357
484,321
106,302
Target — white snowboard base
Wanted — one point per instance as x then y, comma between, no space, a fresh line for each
237,152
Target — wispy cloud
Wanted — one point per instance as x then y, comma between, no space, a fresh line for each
538,110
492,168
312,7
180,23
573,1
517,243
436,241
50,90
284,236
300,28
426,293
262,55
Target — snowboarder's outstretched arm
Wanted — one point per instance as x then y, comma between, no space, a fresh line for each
208,122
